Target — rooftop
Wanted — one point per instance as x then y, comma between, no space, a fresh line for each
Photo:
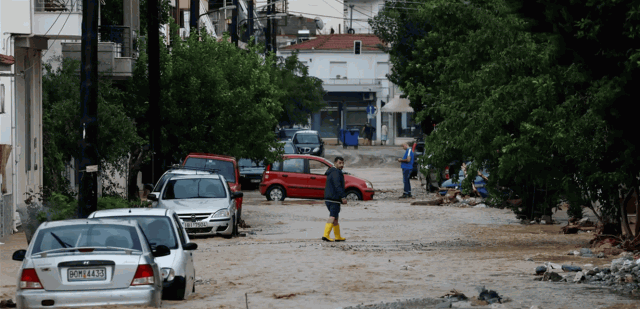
338,42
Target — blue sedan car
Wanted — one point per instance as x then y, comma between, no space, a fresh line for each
479,183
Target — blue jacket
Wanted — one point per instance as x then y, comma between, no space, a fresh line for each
334,187
407,165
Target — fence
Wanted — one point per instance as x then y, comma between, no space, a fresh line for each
58,5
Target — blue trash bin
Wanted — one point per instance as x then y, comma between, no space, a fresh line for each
351,137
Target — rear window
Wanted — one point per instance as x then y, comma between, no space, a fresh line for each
87,235
157,229
194,188
288,148
225,168
306,139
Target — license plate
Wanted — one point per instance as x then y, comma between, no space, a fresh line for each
87,274
195,224
255,180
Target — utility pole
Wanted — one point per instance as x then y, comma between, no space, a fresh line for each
88,195
193,14
351,31
274,29
250,11
153,115
234,23
267,34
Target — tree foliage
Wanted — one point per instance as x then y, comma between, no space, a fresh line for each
542,122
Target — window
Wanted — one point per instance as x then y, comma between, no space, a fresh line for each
87,235
306,139
194,188
406,126
178,223
317,167
337,69
293,166
357,47
158,230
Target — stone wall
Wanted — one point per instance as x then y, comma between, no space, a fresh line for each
6,215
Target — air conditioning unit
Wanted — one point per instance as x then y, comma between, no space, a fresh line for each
368,96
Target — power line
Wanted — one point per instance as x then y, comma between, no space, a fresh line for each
313,14
54,22
365,14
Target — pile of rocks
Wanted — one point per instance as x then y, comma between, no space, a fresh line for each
623,274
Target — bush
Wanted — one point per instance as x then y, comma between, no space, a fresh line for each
62,207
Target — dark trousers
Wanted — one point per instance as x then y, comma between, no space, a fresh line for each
406,174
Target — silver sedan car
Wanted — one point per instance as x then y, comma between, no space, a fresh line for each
163,227
89,262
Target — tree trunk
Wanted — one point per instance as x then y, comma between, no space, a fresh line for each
623,211
135,163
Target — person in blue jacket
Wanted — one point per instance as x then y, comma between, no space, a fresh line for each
334,194
407,167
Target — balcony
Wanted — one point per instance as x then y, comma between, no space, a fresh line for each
116,53
353,84
58,18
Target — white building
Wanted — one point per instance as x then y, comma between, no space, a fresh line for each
353,69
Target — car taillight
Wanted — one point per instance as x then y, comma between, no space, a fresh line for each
265,175
144,275
446,172
29,279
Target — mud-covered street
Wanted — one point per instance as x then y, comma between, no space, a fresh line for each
394,251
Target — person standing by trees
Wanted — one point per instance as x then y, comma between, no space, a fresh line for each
334,194
407,167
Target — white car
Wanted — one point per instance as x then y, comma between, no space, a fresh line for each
163,227
204,203
180,170
87,263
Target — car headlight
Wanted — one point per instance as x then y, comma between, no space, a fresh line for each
369,185
223,213
168,274
316,149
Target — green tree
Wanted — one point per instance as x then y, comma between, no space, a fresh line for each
304,94
61,124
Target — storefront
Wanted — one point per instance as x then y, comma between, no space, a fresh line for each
398,116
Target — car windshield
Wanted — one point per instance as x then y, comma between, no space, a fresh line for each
307,139
225,168
249,163
158,229
87,235
194,188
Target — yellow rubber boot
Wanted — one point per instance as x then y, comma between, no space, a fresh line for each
336,232
327,231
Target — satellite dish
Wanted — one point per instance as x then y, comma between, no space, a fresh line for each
319,23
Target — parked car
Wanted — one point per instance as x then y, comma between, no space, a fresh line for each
204,203
173,172
308,142
286,134
89,262
163,227
289,148
478,182
251,171
226,166
303,176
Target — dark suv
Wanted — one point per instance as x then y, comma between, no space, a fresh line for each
309,142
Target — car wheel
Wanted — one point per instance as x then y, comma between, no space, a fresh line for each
354,195
275,193
178,288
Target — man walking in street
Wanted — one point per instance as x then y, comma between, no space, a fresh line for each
334,194
384,131
407,167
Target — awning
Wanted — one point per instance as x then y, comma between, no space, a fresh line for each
397,105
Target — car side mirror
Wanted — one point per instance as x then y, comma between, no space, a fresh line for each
19,255
161,250
190,246
237,195
152,197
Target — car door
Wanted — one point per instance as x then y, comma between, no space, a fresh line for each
294,178
187,255
317,178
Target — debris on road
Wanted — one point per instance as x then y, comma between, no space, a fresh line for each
435,202
287,296
7,303
552,276
540,270
571,268
489,296
454,295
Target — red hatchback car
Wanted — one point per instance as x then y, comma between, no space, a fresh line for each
302,176
227,166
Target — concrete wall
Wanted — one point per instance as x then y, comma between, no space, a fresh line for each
361,66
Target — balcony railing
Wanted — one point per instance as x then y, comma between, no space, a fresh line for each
58,6
352,81
120,35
